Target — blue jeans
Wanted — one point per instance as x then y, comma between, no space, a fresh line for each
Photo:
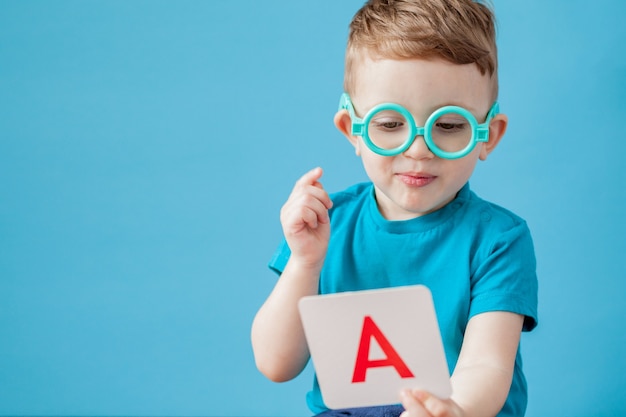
383,411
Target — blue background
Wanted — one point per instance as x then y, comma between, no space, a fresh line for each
146,148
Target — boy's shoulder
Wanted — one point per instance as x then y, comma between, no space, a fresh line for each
489,213
349,204
351,195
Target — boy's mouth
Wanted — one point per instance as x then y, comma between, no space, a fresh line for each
416,179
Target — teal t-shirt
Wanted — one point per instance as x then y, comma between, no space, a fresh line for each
473,255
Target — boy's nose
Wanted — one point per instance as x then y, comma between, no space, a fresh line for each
418,149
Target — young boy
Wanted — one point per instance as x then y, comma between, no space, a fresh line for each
420,110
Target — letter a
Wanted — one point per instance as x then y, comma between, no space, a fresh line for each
363,363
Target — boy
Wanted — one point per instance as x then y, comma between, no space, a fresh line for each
420,110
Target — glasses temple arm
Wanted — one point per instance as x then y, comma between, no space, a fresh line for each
357,124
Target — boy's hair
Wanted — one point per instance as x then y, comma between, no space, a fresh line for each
458,31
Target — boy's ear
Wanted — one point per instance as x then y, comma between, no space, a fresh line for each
343,122
497,127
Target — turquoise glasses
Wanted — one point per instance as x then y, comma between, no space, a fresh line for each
389,129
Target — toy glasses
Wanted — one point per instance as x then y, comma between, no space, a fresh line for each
389,129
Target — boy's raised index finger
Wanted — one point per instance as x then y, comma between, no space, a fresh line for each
311,177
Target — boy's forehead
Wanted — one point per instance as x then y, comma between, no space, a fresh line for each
432,81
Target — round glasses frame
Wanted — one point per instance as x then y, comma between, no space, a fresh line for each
480,132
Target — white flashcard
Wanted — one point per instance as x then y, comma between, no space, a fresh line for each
367,346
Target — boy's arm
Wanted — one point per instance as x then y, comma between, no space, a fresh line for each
483,374
278,342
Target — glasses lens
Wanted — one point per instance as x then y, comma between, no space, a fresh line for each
388,129
451,132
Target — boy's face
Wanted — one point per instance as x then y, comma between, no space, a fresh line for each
417,182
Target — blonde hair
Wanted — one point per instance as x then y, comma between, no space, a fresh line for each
458,31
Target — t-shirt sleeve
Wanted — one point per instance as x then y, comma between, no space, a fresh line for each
506,279
280,257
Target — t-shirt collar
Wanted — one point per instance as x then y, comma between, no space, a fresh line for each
417,224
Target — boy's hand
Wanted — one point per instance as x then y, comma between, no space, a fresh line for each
305,220
418,403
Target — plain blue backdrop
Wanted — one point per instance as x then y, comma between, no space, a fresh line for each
146,148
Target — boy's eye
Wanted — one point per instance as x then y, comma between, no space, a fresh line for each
389,124
451,126
387,121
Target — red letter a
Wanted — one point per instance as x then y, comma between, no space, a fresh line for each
363,363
